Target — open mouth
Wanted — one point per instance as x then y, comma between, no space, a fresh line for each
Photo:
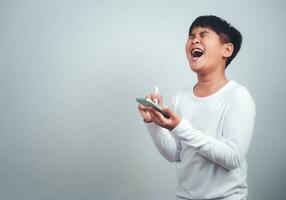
197,52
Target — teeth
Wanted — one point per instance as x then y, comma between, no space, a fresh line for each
197,50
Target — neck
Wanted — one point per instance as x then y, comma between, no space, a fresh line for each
210,83
211,79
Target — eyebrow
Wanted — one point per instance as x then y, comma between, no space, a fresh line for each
202,32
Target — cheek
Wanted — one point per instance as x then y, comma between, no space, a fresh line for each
214,51
187,47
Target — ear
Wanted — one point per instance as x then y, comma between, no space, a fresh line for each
227,50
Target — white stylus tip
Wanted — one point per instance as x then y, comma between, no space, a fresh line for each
156,92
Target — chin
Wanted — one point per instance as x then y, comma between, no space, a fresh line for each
200,69
196,67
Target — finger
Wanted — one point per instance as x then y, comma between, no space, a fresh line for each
141,107
157,98
154,97
148,97
155,117
156,113
160,99
158,116
168,111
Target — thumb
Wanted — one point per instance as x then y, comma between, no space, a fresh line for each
168,110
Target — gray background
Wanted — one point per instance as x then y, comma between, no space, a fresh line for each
69,74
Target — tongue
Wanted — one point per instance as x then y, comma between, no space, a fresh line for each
197,54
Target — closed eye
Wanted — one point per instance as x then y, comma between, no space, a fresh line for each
203,34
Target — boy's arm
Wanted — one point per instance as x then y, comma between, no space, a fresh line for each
166,143
230,150
168,146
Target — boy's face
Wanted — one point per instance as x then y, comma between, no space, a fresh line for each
205,50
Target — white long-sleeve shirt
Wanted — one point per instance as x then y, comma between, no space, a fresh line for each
210,143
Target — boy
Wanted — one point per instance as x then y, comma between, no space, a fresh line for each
210,126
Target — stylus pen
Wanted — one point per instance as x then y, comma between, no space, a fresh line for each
156,92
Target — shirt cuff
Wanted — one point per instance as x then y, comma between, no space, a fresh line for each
183,126
149,124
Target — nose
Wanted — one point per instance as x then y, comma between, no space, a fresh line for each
196,41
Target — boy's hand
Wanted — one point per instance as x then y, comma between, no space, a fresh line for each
149,114
145,113
168,123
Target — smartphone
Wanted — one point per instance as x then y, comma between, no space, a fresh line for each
149,103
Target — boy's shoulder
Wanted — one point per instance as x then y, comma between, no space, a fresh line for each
240,95
233,89
238,90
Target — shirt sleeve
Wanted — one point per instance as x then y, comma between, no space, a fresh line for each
166,143
229,150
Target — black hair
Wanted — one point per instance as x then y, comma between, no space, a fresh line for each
226,32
